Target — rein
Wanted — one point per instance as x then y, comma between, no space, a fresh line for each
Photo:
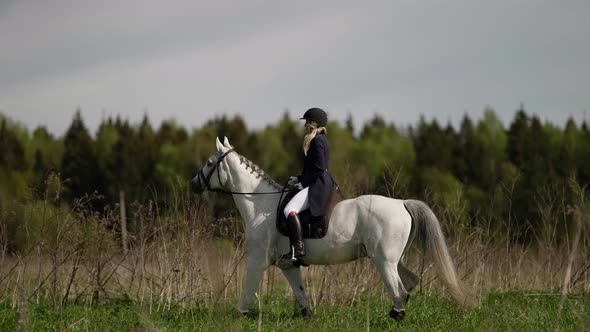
206,179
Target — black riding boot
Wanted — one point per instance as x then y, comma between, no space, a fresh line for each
296,239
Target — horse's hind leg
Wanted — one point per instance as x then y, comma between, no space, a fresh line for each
392,280
409,278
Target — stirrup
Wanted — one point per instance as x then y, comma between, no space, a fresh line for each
291,255
284,263
289,260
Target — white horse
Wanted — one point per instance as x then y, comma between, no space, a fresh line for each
377,227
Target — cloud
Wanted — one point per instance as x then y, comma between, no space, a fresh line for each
191,60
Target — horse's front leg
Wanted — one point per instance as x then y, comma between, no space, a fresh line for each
255,267
293,275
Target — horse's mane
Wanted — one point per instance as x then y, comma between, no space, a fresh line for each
259,172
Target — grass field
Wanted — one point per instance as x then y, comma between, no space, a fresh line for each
184,273
512,311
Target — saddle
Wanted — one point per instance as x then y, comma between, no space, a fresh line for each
311,227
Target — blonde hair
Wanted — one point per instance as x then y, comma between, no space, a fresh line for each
308,137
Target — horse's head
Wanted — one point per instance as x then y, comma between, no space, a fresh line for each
213,175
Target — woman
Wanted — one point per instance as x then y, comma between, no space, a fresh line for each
315,179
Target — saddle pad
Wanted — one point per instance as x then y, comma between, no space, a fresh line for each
312,227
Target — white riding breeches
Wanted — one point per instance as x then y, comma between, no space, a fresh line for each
298,203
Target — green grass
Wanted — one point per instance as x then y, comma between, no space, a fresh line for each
498,312
8,318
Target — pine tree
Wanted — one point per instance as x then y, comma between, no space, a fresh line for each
519,139
565,163
349,124
79,163
146,157
12,153
433,145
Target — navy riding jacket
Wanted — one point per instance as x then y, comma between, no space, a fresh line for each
316,175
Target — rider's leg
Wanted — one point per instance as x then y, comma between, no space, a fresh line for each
297,204
295,237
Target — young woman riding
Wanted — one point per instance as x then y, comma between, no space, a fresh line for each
315,179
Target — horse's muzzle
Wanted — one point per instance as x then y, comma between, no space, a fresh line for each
196,186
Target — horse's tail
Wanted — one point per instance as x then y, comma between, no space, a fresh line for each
433,242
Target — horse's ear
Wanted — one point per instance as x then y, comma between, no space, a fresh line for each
218,144
226,142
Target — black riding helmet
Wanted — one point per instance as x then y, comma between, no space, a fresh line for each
316,114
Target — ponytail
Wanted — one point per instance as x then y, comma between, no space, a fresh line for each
307,138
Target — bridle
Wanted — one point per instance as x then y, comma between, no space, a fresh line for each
206,179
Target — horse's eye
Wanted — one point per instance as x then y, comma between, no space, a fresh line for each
209,162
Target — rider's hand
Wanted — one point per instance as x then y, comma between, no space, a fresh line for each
293,180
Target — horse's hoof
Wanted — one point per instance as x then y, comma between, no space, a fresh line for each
397,314
306,312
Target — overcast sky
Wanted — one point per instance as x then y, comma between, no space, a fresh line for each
191,60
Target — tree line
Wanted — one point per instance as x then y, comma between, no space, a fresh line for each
485,174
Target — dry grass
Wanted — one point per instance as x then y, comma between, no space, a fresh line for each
175,260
